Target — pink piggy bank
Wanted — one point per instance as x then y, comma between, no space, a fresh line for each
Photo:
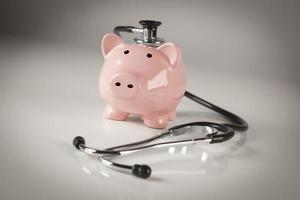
141,80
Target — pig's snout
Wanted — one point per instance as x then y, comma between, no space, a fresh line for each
124,85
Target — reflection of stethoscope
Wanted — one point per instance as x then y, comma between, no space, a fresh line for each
216,133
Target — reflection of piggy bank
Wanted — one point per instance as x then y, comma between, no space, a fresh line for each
141,80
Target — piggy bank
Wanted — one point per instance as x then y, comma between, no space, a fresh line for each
141,80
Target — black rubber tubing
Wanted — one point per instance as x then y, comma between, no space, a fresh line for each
237,123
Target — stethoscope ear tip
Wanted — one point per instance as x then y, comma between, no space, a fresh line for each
141,171
78,141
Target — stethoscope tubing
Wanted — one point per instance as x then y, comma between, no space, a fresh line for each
223,133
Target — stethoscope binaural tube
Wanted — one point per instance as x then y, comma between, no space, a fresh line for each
222,133
139,170
142,171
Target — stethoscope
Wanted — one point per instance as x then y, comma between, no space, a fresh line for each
218,133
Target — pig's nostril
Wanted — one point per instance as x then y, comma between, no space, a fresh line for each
117,84
130,86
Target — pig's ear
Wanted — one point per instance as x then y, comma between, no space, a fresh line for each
171,51
109,42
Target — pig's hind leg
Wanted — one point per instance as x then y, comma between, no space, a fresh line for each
156,121
115,114
172,115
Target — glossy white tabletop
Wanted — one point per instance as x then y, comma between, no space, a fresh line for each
49,95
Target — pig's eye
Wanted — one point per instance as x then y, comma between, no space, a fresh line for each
149,55
126,52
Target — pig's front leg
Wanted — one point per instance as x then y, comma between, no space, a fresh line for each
156,121
115,114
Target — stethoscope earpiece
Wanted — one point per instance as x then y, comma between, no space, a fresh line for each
141,171
77,141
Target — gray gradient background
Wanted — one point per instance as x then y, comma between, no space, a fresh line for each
242,54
